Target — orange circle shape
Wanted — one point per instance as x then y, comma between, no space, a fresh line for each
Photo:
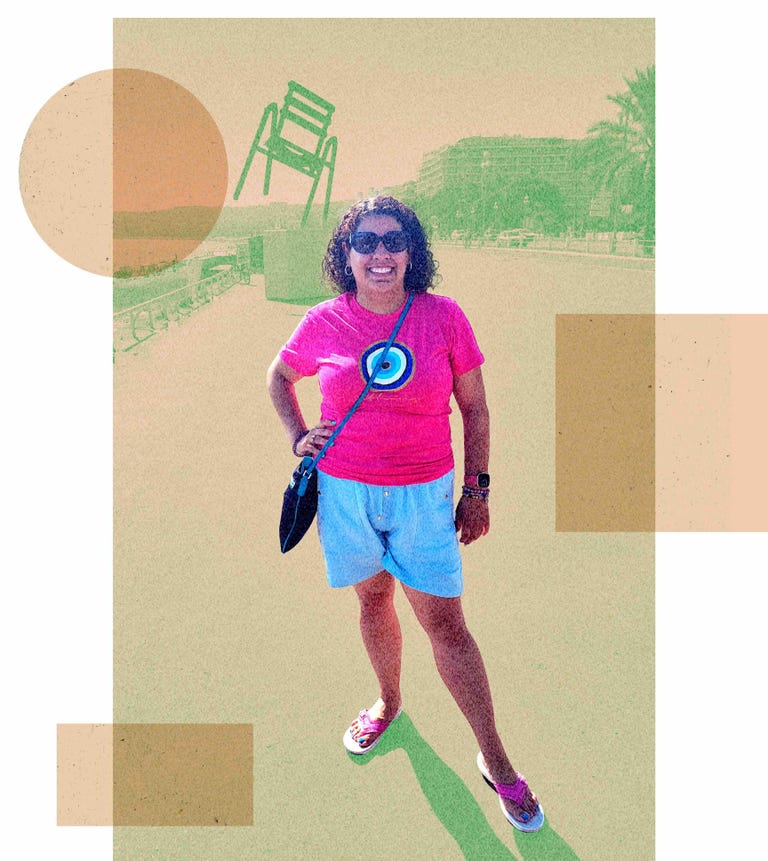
123,171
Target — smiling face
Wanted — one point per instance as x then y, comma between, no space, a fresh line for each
380,274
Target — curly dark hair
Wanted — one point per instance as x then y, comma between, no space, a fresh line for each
422,272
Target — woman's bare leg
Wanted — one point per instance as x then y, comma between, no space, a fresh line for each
461,667
383,641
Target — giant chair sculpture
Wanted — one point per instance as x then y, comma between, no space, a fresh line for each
288,145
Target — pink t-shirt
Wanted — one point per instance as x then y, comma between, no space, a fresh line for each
400,434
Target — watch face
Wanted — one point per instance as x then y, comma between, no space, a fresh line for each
483,480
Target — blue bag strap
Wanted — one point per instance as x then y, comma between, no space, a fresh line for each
371,380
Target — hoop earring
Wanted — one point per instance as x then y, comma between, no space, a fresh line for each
347,270
409,266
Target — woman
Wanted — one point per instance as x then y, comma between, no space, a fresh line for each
385,509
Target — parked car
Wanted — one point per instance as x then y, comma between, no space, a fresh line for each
517,237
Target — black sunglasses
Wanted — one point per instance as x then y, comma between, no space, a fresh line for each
366,242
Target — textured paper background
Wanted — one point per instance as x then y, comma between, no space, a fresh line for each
211,624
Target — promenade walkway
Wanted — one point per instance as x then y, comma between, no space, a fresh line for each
213,625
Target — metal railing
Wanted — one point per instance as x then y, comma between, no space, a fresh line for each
131,326
602,244
597,244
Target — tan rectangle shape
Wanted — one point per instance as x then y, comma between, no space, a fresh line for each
605,422
84,774
712,415
155,774
183,774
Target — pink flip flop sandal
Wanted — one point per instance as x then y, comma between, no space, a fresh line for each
513,792
367,725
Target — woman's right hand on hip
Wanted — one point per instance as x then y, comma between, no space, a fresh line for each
315,438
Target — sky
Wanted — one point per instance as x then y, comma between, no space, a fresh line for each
405,86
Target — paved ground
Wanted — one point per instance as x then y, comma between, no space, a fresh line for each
212,624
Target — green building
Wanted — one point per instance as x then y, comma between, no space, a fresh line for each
492,183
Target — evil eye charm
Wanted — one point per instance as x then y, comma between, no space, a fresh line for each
395,371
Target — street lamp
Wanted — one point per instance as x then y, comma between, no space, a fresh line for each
484,164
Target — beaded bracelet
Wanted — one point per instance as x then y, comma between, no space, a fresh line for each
476,492
300,436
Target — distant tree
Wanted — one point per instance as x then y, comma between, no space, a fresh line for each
620,154
534,203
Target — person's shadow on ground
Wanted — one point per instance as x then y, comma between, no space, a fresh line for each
455,806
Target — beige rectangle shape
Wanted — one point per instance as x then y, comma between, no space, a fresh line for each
605,423
712,415
84,774
155,774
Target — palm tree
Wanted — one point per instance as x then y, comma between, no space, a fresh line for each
621,154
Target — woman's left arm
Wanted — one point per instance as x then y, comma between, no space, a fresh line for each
472,515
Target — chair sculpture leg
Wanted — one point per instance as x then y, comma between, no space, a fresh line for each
269,112
329,161
267,175
311,196
329,158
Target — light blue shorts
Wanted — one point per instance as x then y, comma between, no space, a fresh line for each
407,530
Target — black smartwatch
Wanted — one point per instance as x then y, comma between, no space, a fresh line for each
481,480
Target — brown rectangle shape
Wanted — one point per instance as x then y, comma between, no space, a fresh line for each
155,774
605,423
183,774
